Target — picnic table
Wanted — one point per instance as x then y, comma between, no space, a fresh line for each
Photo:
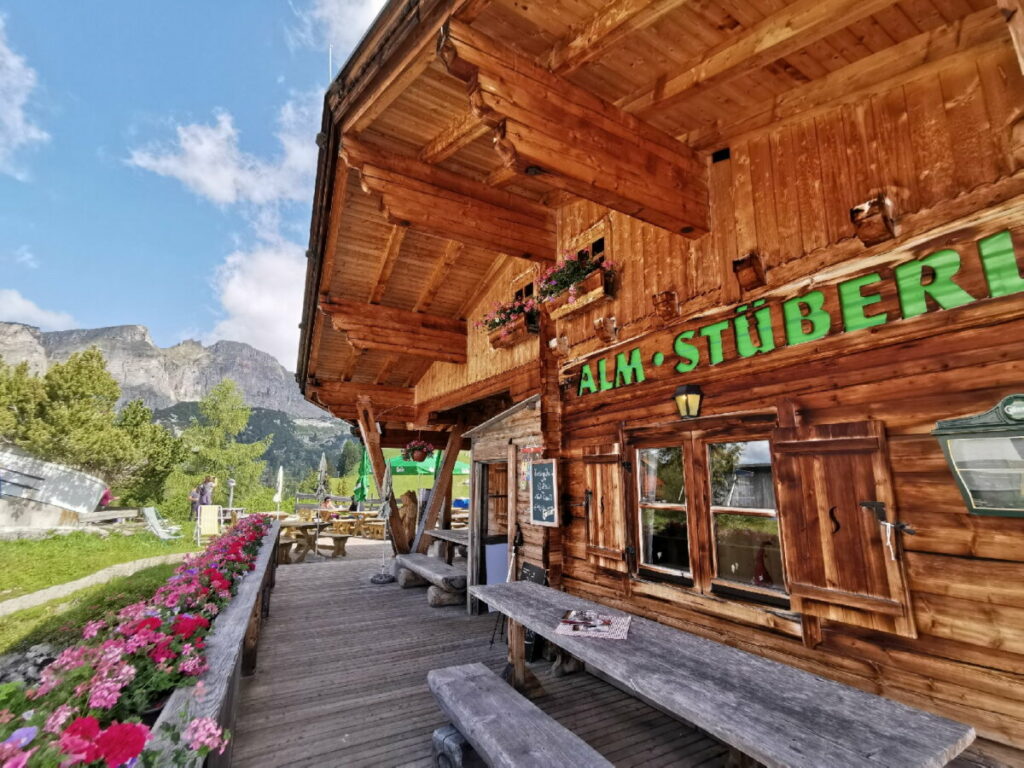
310,532
777,714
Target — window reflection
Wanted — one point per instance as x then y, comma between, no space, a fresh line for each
747,550
661,475
741,475
664,539
992,470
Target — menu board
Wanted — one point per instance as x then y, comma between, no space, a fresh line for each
544,493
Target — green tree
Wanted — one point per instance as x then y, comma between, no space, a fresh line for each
155,454
351,453
212,448
73,422
20,396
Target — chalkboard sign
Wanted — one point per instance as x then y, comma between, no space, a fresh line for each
544,493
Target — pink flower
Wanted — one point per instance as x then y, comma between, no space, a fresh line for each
6,716
20,760
204,732
57,719
92,628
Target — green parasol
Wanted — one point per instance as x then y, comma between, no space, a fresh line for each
428,466
359,493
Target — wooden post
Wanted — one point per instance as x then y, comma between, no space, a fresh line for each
517,654
370,433
442,484
1012,12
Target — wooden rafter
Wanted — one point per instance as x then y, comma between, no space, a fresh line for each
369,430
572,140
780,34
501,176
463,130
877,73
1013,13
442,485
399,331
445,204
387,264
389,399
605,30
444,265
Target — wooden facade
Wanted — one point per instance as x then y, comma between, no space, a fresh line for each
838,339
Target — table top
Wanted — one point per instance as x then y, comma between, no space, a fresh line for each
775,713
456,536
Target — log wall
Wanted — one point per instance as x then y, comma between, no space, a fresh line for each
939,145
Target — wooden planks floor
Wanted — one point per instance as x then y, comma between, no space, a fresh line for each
342,679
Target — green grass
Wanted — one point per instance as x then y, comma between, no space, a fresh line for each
60,621
30,565
403,483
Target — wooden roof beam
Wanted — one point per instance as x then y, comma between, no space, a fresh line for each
452,250
444,204
387,264
370,326
784,32
396,402
572,140
605,30
461,132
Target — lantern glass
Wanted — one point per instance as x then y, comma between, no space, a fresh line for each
688,400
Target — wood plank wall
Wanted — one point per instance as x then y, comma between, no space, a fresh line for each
939,144
484,362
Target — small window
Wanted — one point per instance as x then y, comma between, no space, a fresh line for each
664,535
744,516
524,293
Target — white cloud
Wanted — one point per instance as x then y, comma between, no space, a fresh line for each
15,308
208,159
261,291
17,131
23,255
340,23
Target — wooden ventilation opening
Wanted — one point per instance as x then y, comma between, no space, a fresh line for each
838,562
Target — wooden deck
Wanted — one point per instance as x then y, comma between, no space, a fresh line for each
342,679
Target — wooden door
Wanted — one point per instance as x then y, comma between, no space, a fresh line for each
837,562
604,505
497,499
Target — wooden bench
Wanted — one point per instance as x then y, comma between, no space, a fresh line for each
448,582
503,727
338,541
772,712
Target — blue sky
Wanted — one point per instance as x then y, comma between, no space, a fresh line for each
157,162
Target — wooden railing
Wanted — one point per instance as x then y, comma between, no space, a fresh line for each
230,654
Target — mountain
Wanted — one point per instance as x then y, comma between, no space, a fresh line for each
297,442
162,377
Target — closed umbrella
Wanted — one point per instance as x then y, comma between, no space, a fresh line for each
280,487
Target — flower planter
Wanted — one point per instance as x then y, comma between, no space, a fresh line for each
419,455
595,287
512,332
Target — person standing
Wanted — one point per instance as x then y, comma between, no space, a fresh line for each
206,490
193,499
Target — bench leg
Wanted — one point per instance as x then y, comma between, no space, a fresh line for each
451,750
737,759
407,578
437,597
565,664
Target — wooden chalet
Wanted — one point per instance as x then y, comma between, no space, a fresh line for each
807,220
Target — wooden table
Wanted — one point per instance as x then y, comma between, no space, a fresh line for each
310,530
772,712
451,538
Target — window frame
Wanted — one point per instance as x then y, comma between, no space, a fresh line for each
656,572
694,436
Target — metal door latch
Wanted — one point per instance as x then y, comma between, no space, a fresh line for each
877,508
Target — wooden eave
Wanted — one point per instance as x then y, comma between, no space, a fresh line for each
646,70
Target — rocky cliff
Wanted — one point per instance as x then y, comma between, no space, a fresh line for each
162,377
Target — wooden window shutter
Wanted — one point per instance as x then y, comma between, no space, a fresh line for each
606,521
837,562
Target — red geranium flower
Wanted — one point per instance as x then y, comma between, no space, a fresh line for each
162,651
150,622
185,626
79,739
121,742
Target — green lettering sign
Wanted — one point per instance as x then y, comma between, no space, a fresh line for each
628,371
602,375
852,303
999,263
689,355
912,288
805,309
713,333
587,384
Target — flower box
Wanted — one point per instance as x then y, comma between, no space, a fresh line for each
595,287
511,333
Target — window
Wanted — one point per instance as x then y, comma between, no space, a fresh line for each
745,522
522,294
664,537
705,514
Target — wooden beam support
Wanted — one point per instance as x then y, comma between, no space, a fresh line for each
605,30
501,176
784,32
334,393
369,430
1013,14
442,485
462,131
571,140
452,250
387,264
371,326
445,204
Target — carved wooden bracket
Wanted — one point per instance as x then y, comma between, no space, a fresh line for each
749,271
572,140
666,305
559,346
875,220
606,328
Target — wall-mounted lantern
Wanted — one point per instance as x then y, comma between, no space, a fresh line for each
985,453
688,399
